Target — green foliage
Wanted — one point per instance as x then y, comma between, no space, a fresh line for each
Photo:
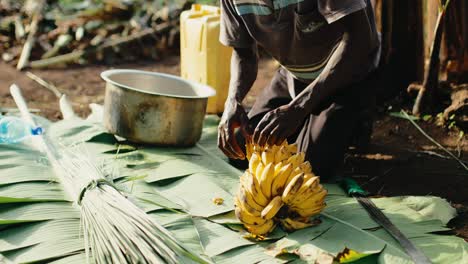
427,117
400,115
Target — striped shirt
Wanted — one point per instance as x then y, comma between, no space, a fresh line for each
300,34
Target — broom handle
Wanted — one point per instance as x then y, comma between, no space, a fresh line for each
22,106
41,142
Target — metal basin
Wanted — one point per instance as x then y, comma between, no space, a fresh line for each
154,108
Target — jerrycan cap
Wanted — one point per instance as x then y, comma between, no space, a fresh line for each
196,7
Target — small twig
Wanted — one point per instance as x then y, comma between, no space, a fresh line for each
60,59
430,153
16,110
380,190
387,171
460,143
28,45
360,176
376,177
19,28
371,180
45,84
434,141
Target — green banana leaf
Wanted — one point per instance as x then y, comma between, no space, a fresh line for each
176,187
26,235
213,236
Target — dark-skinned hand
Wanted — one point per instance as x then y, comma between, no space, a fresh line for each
278,124
234,117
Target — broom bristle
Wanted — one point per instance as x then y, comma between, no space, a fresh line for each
115,230
121,232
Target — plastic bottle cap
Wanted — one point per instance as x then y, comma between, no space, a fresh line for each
37,131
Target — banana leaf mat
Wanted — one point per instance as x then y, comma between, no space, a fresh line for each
176,187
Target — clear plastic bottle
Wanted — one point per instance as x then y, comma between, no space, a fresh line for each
14,130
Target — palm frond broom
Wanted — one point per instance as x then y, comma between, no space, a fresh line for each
115,230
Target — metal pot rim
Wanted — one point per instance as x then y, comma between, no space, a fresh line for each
207,90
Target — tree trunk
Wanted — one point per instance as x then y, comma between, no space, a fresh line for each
431,76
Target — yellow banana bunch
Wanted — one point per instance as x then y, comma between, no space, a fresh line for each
279,187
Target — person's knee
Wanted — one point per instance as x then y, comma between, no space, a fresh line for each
324,168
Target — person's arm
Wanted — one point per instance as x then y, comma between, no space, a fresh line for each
244,67
234,33
348,64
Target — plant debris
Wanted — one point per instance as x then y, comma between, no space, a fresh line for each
57,32
218,201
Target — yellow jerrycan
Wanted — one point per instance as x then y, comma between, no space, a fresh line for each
203,58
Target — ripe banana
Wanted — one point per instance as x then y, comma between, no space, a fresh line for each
309,212
274,149
292,148
258,149
278,167
291,224
295,161
245,207
266,179
315,189
251,185
305,167
253,162
309,200
292,188
282,154
308,176
245,216
272,208
280,180
310,182
298,159
293,174
261,229
248,200
259,171
307,192
268,156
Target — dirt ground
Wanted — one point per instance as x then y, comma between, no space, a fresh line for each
399,161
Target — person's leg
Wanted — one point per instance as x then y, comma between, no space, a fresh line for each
363,131
326,137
